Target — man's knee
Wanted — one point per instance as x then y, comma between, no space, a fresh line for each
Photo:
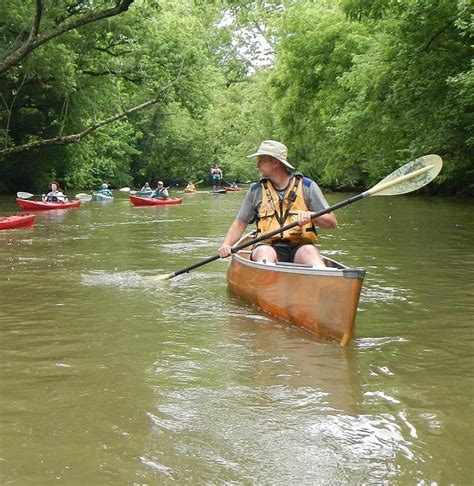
309,254
264,253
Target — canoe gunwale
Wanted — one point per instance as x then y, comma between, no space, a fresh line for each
335,269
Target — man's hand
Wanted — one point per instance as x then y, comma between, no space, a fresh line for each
225,251
304,218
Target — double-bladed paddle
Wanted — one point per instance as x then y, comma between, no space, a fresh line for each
28,195
408,178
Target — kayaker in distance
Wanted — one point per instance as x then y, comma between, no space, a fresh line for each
279,198
190,187
55,195
146,188
216,175
160,192
104,190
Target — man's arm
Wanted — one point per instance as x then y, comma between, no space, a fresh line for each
234,232
327,221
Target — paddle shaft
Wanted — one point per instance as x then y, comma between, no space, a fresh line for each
237,248
420,177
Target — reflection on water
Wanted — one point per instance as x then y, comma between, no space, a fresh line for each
109,376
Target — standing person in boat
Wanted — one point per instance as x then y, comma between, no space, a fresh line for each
282,196
55,195
104,190
146,188
160,192
216,175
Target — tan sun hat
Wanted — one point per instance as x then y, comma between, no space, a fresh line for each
275,149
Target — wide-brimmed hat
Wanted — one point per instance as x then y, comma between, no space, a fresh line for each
275,149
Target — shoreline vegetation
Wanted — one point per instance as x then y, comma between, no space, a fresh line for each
138,93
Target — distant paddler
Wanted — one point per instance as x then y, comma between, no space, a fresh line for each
190,187
161,192
55,195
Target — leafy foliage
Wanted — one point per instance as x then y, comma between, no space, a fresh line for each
357,88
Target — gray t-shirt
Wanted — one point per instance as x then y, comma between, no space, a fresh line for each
312,194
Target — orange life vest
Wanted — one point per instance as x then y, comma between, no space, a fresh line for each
274,214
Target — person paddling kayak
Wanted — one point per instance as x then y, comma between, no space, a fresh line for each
104,190
160,192
55,195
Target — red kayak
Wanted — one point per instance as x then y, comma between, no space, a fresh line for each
22,221
149,201
232,189
39,205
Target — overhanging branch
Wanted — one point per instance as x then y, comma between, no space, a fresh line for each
77,137
35,40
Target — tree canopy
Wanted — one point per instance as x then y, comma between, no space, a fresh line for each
130,91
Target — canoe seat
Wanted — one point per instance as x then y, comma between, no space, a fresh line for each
287,264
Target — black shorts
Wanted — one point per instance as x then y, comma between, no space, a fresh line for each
285,250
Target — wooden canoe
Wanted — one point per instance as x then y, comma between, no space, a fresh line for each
321,300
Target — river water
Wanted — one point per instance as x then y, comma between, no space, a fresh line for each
109,377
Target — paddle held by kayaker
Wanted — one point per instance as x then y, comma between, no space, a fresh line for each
281,196
55,195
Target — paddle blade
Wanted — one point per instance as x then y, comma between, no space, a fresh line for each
24,195
410,177
83,197
162,278
124,189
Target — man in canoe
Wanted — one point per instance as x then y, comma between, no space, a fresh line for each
55,195
282,196
160,192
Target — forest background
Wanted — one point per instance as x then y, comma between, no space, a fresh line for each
128,91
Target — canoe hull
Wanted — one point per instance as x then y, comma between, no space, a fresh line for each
147,201
233,189
321,300
12,222
41,206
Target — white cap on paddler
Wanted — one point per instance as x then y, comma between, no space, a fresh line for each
275,149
